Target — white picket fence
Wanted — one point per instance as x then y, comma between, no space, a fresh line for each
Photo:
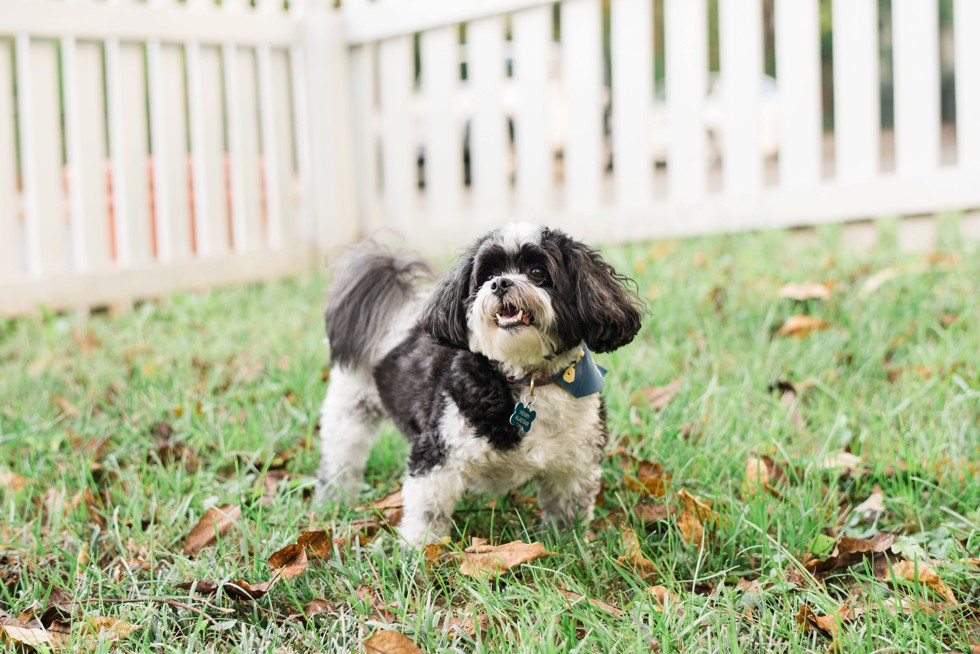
740,155
149,147
152,146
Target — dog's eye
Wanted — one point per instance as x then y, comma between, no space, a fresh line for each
538,274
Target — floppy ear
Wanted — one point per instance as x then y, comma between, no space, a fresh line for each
444,315
605,312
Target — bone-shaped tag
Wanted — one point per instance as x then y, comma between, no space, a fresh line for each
523,417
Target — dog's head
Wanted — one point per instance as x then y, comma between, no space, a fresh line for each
524,294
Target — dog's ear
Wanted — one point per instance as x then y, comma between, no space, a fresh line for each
444,315
603,310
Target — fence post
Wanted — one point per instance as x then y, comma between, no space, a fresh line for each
330,188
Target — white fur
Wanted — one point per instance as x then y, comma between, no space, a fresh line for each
561,451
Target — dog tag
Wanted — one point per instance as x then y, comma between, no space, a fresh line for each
569,375
523,416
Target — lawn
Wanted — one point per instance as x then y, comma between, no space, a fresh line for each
765,491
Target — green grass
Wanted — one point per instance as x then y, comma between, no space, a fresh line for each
238,375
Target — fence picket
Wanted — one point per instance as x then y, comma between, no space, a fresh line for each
798,71
159,149
398,156
215,155
90,174
287,179
686,52
10,253
857,130
966,14
632,100
40,139
581,50
173,161
740,36
443,145
270,159
235,155
534,158
488,142
77,219
135,153
915,25
250,152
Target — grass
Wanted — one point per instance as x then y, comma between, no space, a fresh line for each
237,376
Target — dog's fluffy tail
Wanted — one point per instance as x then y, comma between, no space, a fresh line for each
373,300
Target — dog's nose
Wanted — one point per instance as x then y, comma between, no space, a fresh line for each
500,285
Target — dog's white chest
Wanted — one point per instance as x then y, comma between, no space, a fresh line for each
563,437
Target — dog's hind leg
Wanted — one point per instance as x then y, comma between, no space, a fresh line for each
349,421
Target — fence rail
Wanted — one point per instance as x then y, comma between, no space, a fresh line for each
154,145
471,113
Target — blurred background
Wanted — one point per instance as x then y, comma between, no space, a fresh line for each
152,146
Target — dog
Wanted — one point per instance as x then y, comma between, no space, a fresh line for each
458,369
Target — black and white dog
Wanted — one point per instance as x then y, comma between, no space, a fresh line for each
458,370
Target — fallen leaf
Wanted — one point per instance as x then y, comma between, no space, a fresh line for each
468,621
650,479
842,462
805,291
390,501
800,326
316,607
318,544
915,572
110,628
874,504
696,505
375,603
215,522
828,624
12,481
692,531
433,552
576,598
658,397
66,407
391,642
849,551
633,554
289,561
663,596
482,560
873,283
34,636
758,475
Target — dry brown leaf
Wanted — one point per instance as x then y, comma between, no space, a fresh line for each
390,642
663,596
924,575
289,561
433,552
658,397
692,531
575,598
800,326
66,407
390,501
482,560
318,544
758,474
842,462
466,620
828,625
11,480
873,283
849,551
33,636
805,291
316,607
633,554
699,507
874,504
650,479
215,522
237,589
110,628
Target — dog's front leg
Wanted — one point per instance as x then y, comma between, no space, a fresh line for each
565,496
429,500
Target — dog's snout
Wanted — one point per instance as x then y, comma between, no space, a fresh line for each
500,285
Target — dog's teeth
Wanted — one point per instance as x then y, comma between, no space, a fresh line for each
520,316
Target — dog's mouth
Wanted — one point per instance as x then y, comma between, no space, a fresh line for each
509,316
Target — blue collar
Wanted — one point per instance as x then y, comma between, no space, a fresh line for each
582,378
